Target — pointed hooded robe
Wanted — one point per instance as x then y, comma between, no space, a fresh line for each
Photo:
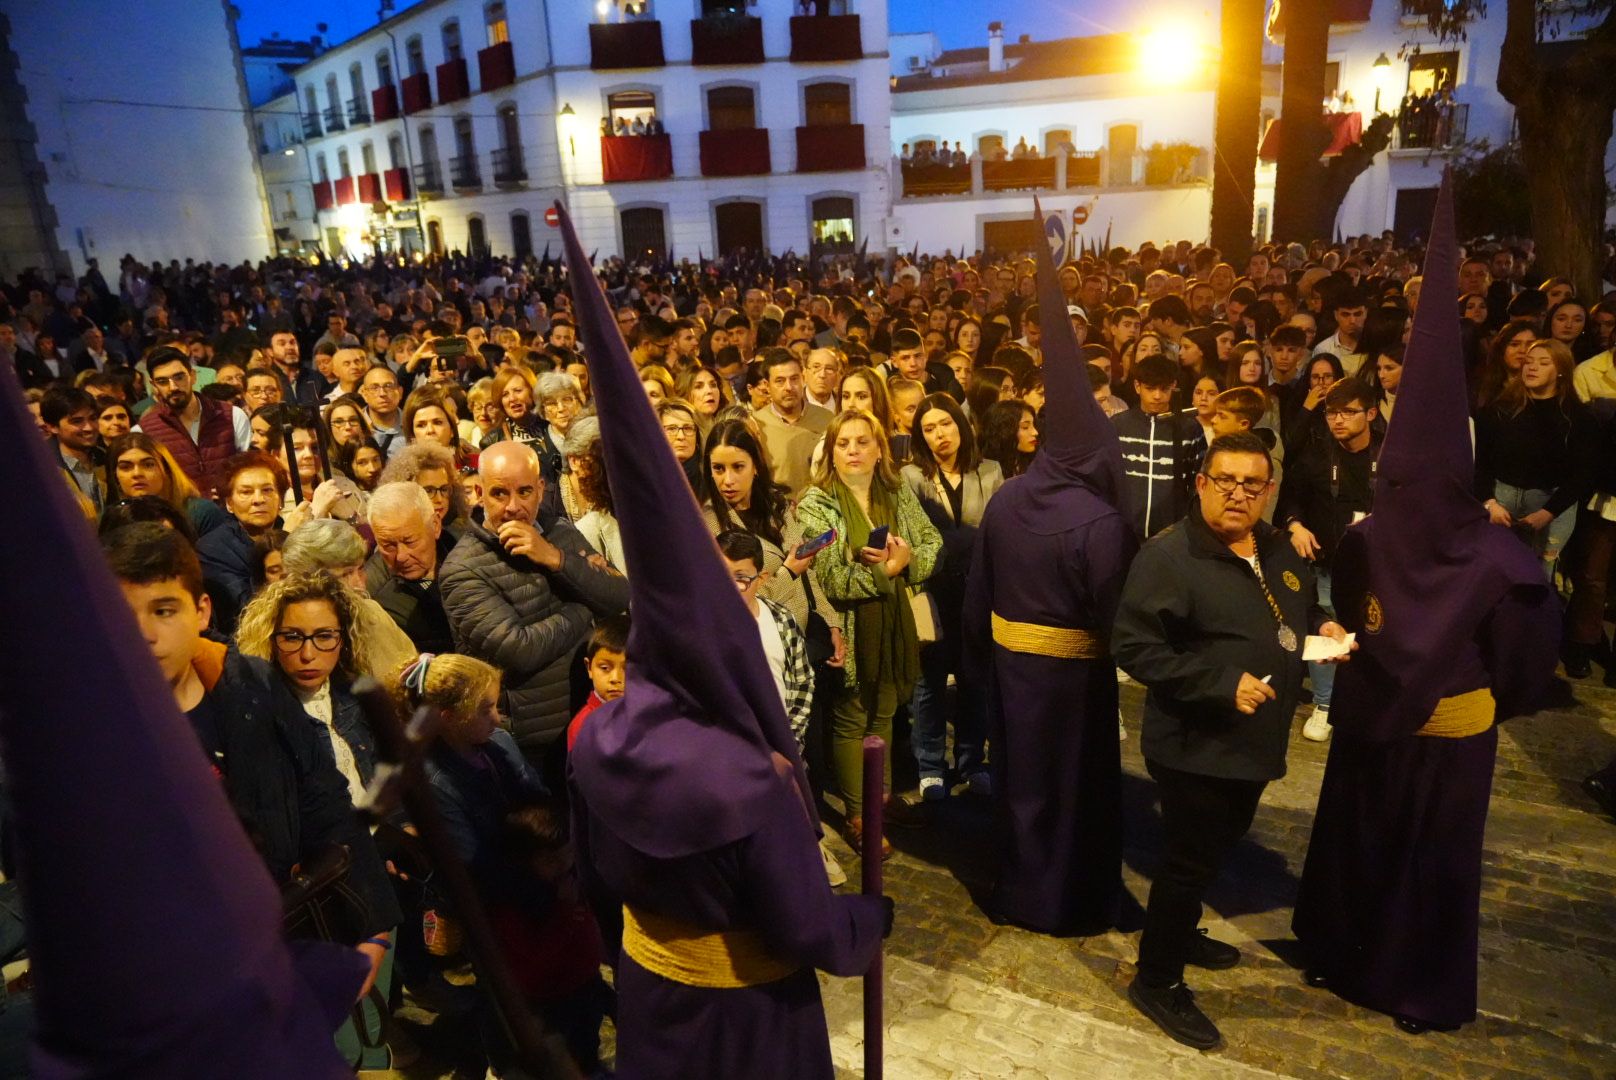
154,929
1050,562
1456,630
691,803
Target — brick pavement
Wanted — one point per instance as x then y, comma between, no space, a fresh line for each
968,998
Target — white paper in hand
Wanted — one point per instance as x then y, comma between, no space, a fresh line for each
1317,647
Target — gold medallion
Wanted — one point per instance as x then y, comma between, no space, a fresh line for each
1374,616
1293,581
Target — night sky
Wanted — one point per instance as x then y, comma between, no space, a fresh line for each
958,23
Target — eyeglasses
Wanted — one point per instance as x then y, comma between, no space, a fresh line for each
1343,414
169,380
291,641
1226,485
679,429
743,581
382,387
261,392
436,491
345,421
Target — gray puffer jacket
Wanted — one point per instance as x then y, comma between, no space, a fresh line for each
528,621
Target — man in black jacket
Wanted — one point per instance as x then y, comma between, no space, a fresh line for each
1329,486
273,759
402,576
1211,622
522,589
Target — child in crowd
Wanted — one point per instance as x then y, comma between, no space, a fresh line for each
547,931
606,656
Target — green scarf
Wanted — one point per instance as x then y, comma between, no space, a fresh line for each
884,642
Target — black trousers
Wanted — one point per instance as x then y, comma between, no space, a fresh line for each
1203,817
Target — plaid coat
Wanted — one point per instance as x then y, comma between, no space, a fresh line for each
798,675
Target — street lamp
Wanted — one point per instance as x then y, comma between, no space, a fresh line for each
568,119
1382,75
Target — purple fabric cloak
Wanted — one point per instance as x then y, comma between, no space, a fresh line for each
1443,603
153,927
1054,550
690,799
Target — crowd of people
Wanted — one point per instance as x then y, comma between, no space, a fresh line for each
304,476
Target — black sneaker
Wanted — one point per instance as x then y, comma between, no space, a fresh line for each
1210,953
1173,1009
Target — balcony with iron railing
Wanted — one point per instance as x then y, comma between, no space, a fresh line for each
311,126
358,112
429,178
509,168
1064,170
1430,126
464,174
333,119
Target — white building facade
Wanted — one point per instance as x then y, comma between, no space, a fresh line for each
456,125
1132,152
130,133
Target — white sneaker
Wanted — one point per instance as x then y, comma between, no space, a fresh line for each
833,869
1317,727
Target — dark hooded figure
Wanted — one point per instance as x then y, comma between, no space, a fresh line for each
154,929
1457,630
691,804
1051,558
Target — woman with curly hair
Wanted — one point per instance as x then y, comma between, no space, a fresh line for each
319,638
1010,436
432,465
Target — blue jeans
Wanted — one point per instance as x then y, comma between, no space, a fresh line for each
1322,676
928,715
1548,541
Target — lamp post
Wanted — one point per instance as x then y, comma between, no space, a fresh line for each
566,121
1382,74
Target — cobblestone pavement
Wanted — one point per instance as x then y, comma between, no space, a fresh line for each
967,998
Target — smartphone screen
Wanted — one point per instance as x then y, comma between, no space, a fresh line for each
818,543
878,538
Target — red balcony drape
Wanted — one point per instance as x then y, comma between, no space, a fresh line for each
635,157
397,182
417,93
496,66
735,152
324,198
370,188
453,83
384,103
344,187
831,148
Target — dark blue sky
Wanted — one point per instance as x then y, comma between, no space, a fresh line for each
957,22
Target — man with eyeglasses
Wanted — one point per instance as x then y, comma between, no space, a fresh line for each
202,433
1212,620
1329,486
380,391
263,387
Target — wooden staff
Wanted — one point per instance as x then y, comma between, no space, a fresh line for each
400,779
291,458
875,752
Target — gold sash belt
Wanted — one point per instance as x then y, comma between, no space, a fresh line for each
678,951
1061,642
1462,715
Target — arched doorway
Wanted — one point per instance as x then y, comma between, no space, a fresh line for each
739,225
521,235
434,237
476,238
644,233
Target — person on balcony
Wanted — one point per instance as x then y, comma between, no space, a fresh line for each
1022,151
653,125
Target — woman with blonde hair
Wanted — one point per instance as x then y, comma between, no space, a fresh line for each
485,413
516,392
855,490
138,465
658,383
314,631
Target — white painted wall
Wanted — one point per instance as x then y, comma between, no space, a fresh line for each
1134,216
177,181
1085,106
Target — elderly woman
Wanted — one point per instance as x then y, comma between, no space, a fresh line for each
432,466
683,433
254,484
587,496
561,401
336,548
516,390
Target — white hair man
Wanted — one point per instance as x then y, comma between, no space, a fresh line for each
403,572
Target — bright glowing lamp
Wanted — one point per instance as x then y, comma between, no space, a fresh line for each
1382,74
1172,53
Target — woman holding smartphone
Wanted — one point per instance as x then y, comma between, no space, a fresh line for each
856,491
738,492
